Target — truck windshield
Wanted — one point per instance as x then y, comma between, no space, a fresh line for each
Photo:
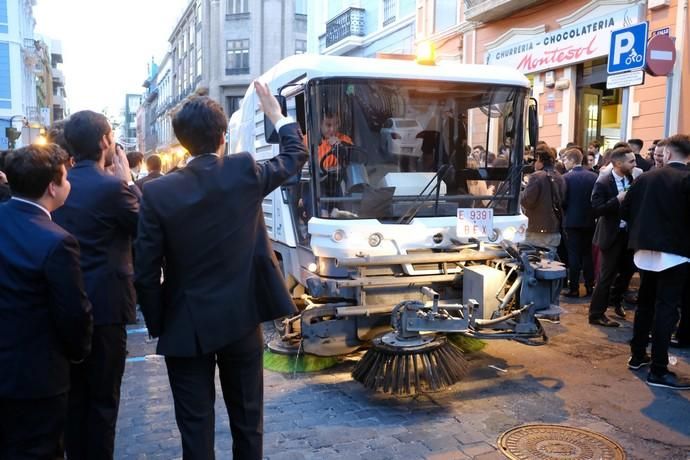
380,149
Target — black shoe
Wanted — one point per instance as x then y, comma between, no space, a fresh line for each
619,311
636,362
570,294
675,343
603,321
668,380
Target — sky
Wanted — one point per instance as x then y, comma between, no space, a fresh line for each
107,45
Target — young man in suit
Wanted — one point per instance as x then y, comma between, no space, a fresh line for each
203,225
153,166
657,209
636,146
101,212
578,222
611,235
45,316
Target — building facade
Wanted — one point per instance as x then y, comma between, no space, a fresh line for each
363,28
60,109
18,59
563,47
128,129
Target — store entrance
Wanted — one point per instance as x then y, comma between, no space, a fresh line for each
598,109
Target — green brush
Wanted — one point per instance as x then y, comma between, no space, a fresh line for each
292,363
466,344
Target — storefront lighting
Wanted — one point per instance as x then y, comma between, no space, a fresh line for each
40,140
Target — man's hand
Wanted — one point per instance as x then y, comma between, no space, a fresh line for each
621,196
3,178
267,102
121,165
333,140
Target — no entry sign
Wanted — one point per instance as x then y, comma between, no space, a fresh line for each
661,55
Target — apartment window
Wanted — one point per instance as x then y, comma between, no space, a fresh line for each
389,7
232,103
300,46
3,17
198,12
445,14
5,88
237,57
198,54
300,6
238,6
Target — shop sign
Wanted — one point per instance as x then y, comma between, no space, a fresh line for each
579,42
664,31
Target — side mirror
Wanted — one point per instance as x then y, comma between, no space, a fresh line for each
270,132
533,122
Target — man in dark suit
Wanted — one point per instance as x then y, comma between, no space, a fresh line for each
611,235
594,148
657,209
45,316
204,226
636,146
153,166
101,212
578,222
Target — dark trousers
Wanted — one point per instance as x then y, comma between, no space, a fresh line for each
617,268
660,299
683,331
31,428
579,244
192,381
94,398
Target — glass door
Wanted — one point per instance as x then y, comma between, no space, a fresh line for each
589,127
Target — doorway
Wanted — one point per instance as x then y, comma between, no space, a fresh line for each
598,109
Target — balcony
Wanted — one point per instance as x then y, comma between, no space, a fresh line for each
492,10
350,23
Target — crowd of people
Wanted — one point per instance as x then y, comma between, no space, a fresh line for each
72,209
70,276
610,215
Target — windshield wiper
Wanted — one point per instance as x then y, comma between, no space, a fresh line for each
421,198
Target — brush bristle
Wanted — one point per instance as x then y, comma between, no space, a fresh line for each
403,371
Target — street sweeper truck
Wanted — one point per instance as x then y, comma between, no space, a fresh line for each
404,225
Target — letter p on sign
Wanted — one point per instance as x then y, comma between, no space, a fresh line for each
623,43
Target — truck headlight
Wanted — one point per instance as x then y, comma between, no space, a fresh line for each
375,239
509,233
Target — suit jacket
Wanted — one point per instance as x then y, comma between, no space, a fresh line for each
101,212
45,316
544,192
204,225
606,208
657,209
5,193
577,203
642,163
149,177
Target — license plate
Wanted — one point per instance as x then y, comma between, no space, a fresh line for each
474,223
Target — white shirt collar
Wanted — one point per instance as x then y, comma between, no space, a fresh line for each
33,203
616,176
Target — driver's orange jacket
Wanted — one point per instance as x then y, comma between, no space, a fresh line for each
332,161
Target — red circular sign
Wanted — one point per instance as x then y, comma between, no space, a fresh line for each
661,55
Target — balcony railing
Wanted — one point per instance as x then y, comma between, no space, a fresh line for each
347,24
492,10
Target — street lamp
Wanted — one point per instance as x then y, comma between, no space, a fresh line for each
12,133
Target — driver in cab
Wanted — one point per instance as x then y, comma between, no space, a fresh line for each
330,139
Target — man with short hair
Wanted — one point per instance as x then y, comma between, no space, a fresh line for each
45,316
542,201
134,160
101,212
657,211
153,166
594,148
578,222
611,235
636,146
658,154
204,226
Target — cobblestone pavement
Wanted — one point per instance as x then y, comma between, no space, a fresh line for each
578,379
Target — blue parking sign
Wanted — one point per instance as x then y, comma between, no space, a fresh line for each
628,48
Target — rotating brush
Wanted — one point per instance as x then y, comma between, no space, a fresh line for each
400,366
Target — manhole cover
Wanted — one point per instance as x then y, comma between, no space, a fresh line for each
547,442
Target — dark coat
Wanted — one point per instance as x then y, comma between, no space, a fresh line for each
606,208
148,178
577,204
544,193
642,163
101,212
657,209
204,225
45,316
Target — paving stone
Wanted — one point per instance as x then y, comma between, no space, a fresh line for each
442,443
452,455
478,448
